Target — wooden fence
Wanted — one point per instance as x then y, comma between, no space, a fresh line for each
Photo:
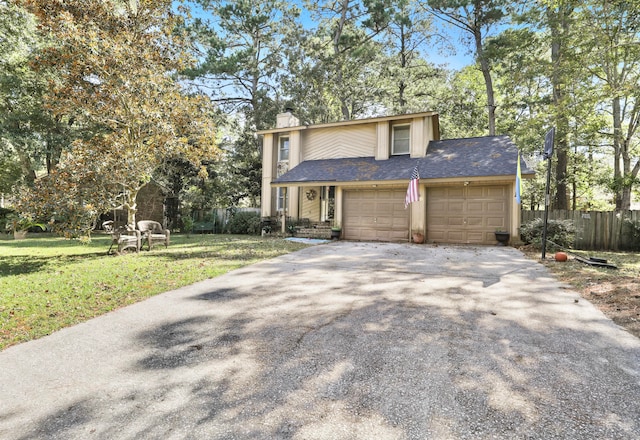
596,230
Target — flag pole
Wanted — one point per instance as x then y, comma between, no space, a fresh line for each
413,195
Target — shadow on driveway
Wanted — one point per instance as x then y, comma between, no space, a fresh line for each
349,341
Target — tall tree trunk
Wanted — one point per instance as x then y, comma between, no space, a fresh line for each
488,82
559,25
403,64
618,174
344,101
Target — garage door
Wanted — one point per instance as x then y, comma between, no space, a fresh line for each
466,214
375,215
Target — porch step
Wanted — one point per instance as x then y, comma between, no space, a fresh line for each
323,232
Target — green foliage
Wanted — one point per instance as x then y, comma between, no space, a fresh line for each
561,232
5,213
187,224
244,223
10,174
631,231
115,76
16,222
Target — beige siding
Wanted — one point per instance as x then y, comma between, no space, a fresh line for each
337,142
383,151
418,143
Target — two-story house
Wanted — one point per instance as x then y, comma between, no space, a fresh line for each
355,174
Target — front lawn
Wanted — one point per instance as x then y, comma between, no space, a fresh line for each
47,283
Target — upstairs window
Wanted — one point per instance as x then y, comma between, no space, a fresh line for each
400,141
283,149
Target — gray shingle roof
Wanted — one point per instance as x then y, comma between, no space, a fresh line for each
469,157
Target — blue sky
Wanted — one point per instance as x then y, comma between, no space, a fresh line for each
455,61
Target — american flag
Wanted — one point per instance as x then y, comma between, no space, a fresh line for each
413,194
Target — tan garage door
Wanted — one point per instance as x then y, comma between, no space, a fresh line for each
468,214
375,215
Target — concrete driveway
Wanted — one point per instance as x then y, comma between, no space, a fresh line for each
339,341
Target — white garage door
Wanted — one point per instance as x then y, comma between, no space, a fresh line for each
468,214
375,215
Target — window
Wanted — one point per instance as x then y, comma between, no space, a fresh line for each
281,199
400,143
283,149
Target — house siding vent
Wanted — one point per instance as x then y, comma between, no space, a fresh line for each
287,119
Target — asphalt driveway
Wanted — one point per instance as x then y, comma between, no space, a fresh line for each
338,341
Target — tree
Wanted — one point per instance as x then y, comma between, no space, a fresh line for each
335,65
115,62
611,42
405,74
30,136
475,18
242,49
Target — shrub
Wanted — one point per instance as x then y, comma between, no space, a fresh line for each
631,233
244,223
560,232
4,214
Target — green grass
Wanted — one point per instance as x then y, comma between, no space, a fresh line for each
47,283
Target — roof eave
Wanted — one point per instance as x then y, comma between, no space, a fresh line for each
351,122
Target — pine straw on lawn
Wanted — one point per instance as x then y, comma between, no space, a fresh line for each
616,292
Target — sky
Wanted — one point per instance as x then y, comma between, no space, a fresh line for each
456,61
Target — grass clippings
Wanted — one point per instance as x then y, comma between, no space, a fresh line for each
47,283
616,292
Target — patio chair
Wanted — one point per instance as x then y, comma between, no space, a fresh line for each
125,238
153,232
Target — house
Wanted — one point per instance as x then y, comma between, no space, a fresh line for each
355,174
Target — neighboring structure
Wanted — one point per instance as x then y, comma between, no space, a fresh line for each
355,174
150,201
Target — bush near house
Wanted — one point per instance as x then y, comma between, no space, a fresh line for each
561,232
244,223
631,231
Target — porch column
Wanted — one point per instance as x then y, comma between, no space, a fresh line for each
418,217
285,208
514,223
294,160
337,214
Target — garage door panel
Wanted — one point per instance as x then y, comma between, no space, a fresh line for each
496,192
475,192
455,236
496,222
476,206
475,221
383,222
454,193
496,206
468,214
375,215
475,236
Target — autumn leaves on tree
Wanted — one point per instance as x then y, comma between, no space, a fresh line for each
116,64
